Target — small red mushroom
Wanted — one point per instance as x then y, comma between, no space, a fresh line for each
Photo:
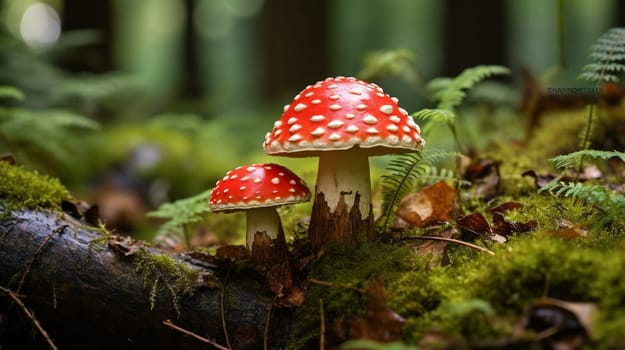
258,189
343,121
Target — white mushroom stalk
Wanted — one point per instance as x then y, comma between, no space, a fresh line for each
264,220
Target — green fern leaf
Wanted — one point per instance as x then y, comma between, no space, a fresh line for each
182,212
608,56
453,94
10,92
573,159
402,172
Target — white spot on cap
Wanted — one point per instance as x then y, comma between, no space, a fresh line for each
226,178
405,128
335,124
226,190
334,137
294,128
361,106
286,107
292,190
372,131
242,188
333,86
318,132
335,97
317,118
296,97
275,181
386,109
257,181
392,128
299,107
291,121
251,169
274,191
395,119
403,111
406,139
277,124
355,92
267,135
352,128
350,116
244,178
232,177
369,119
294,138
316,101
281,173
392,139
335,107
268,167
380,94
309,94
395,99
277,132
292,182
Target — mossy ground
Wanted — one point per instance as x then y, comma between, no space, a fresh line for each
23,188
480,297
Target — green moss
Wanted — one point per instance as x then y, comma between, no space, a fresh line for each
161,272
22,188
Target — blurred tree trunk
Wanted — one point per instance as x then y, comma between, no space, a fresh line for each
294,39
476,34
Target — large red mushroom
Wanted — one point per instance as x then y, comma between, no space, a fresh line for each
258,189
343,121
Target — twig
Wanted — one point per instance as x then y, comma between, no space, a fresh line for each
37,253
170,324
322,331
222,311
266,330
29,314
330,284
451,240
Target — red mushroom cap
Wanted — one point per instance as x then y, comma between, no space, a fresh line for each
256,186
339,113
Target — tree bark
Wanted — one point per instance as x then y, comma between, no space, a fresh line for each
89,298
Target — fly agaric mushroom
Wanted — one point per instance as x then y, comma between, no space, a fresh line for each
343,121
258,189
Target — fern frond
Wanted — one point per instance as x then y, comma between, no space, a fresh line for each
435,115
611,202
607,56
453,94
10,92
403,171
182,212
573,159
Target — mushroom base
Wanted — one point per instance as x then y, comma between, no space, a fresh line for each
343,225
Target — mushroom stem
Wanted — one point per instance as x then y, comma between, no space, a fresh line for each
345,172
262,220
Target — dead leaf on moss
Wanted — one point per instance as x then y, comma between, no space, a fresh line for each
472,226
126,245
380,323
483,174
504,227
436,249
571,323
433,204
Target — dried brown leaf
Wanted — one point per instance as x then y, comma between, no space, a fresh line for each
431,205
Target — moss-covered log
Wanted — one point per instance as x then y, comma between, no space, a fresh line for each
87,295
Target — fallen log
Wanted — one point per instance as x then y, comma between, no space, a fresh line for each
95,298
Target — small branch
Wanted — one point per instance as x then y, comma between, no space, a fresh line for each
37,253
322,331
170,324
29,314
450,240
266,331
330,284
222,293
